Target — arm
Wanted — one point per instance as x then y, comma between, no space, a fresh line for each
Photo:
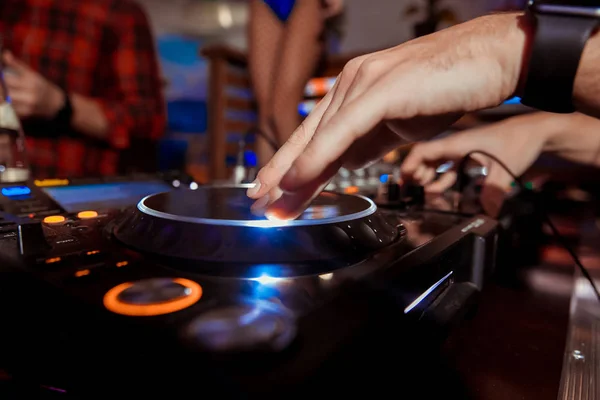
137,107
409,92
517,142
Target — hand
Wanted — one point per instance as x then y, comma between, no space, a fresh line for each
31,94
517,142
409,92
333,8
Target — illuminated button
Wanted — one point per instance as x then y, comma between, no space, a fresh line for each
87,214
151,297
16,191
54,219
53,260
83,272
51,182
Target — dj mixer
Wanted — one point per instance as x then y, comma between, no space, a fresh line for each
154,284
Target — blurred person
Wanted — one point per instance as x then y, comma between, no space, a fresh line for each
83,78
286,44
412,92
517,142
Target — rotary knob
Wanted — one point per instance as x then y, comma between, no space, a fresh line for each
252,326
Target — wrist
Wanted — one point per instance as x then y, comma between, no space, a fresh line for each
515,52
587,84
507,37
56,101
553,129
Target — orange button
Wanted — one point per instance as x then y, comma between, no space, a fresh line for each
87,214
54,219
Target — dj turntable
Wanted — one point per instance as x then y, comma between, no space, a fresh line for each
155,283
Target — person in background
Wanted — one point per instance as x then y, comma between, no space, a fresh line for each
286,44
517,142
83,78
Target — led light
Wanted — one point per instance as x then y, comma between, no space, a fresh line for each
122,264
81,273
193,186
54,219
87,214
425,294
265,279
51,182
326,277
16,191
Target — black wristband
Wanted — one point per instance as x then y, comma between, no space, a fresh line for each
554,59
62,120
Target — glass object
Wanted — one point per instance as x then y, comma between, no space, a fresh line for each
13,157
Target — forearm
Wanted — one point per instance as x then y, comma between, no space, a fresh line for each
89,118
575,137
118,122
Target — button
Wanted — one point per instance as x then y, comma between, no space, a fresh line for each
15,191
258,325
87,214
153,292
150,297
54,219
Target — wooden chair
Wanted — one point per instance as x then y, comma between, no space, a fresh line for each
231,106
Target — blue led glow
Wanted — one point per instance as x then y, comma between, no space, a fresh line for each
383,178
16,191
514,100
250,158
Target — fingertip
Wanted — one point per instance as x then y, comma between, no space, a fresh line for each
289,206
254,190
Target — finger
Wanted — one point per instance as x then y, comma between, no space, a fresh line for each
428,176
14,63
420,154
442,184
331,141
14,81
261,205
291,205
372,147
270,175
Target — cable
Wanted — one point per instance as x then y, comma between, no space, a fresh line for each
563,242
258,132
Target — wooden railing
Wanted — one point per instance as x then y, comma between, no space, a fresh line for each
231,106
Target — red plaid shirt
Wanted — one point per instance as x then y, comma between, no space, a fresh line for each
101,49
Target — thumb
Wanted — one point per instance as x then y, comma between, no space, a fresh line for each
13,62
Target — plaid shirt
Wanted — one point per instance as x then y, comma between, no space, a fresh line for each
101,49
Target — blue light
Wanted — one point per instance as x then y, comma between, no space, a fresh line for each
514,100
265,273
250,158
383,178
16,191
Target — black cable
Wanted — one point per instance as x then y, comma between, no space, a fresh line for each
267,138
461,179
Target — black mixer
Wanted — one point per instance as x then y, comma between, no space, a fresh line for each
159,285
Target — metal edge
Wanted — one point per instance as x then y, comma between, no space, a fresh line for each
256,223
